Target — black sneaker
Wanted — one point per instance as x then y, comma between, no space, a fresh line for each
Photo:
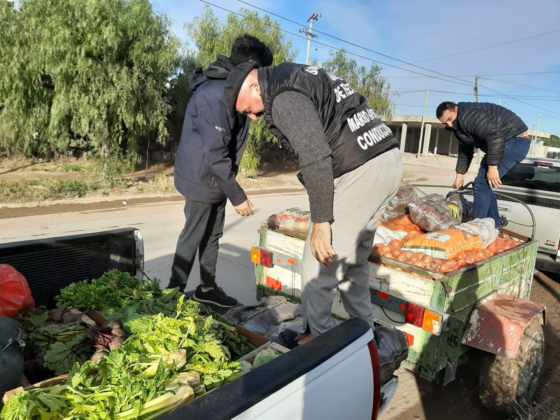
215,296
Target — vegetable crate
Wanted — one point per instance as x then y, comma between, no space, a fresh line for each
484,306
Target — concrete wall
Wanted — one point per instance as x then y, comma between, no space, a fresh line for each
437,139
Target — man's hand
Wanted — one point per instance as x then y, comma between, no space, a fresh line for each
459,181
493,176
245,209
321,243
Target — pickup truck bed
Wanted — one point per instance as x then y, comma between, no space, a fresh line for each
309,382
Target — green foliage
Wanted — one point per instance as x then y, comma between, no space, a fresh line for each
179,93
368,82
212,38
83,75
553,141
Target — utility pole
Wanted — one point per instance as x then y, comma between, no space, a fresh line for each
424,110
475,88
309,34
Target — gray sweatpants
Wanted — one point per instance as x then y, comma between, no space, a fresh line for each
359,198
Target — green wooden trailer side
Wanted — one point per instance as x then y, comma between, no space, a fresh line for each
452,297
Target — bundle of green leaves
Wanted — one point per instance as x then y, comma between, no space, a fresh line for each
55,346
119,295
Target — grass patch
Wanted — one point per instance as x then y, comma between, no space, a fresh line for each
46,189
72,167
28,181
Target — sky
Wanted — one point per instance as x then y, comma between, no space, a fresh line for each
512,45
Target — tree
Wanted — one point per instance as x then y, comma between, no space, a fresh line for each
368,82
85,75
553,141
179,93
213,38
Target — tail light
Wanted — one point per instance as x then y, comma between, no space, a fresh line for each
427,320
431,322
261,257
376,367
414,314
409,339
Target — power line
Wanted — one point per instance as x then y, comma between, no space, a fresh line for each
516,84
529,73
446,78
337,38
382,54
492,46
450,92
335,48
522,102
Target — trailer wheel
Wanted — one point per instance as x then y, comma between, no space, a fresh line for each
506,385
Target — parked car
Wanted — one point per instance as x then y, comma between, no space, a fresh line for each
536,182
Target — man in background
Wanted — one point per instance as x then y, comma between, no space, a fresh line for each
496,130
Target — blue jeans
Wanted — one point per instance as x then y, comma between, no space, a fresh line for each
485,203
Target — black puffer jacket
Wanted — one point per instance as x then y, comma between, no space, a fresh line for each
486,126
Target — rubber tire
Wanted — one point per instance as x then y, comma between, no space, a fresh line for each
508,385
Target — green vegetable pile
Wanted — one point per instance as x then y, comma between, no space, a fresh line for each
175,351
166,361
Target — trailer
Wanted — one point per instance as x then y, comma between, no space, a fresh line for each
484,307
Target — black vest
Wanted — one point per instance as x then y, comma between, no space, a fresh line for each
354,132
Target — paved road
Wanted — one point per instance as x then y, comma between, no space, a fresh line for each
160,224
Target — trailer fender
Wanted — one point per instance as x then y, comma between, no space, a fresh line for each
496,326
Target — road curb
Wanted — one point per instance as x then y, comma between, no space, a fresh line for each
104,203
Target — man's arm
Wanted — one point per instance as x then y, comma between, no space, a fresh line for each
464,158
487,127
216,132
296,117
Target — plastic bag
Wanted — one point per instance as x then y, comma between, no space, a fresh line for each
15,294
445,244
265,356
461,208
292,222
431,213
485,228
397,206
11,354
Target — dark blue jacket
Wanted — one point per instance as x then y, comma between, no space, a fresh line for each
212,141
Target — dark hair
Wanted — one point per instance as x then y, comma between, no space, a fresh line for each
247,47
445,106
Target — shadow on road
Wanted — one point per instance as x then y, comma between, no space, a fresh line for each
444,359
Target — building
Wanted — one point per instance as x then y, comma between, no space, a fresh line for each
436,140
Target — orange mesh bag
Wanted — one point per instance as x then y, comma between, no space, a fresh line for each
444,244
403,224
